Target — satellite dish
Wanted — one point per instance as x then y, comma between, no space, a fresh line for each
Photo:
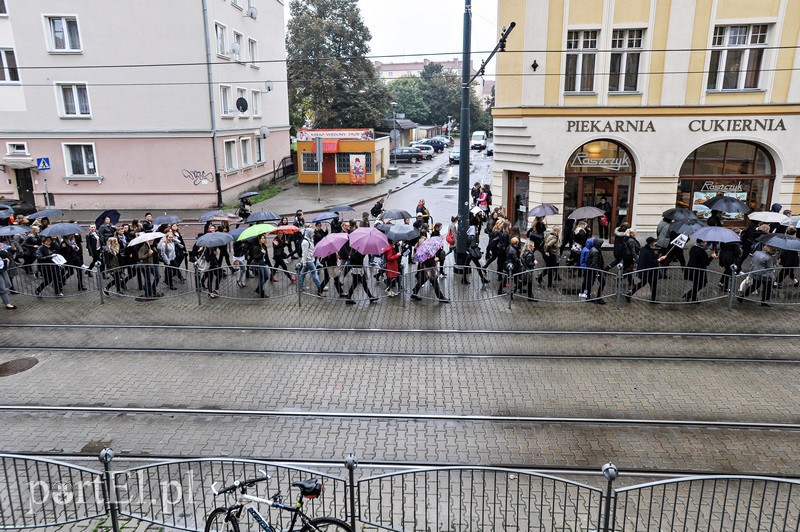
252,12
241,105
236,48
269,86
265,132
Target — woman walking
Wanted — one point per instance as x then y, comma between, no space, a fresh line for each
112,259
260,259
5,281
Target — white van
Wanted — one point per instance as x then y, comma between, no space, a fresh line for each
478,140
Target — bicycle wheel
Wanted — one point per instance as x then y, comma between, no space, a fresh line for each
326,523
217,522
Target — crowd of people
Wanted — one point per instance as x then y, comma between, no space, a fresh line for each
497,252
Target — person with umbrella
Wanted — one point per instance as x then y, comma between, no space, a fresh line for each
730,254
307,261
72,252
279,254
296,239
147,225
6,263
648,265
146,267
356,264
166,250
423,210
113,262
762,275
392,257
106,231
259,257
789,260
550,254
29,247
49,269
696,269
319,233
93,247
180,250
245,205
630,253
429,255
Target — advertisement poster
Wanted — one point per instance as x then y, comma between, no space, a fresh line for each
341,134
357,172
704,212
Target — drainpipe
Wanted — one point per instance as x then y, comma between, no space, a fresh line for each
211,106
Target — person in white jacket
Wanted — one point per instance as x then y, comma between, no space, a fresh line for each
307,260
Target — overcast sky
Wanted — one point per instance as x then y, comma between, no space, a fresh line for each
425,27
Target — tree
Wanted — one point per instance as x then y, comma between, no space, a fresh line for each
407,92
331,82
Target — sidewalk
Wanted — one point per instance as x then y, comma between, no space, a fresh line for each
292,198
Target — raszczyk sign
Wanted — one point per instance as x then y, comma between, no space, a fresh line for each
710,186
341,134
615,164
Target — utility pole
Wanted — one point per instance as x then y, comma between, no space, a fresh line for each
464,131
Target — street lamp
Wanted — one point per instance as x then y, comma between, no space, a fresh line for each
394,135
448,125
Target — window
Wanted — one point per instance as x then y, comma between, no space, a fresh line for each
64,34
237,39
222,42
74,100
343,162
579,74
626,48
247,155
17,148
3,10
80,160
736,57
309,161
252,47
237,3
225,100
256,104
260,156
230,156
8,66
241,93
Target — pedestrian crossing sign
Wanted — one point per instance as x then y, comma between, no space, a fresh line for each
43,163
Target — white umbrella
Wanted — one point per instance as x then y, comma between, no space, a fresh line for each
146,237
794,221
768,217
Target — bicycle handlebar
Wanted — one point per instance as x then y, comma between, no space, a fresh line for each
239,484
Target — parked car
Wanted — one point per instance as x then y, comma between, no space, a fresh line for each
455,156
490,148
478,140
20,208
411,155
426,149
446,139
437,145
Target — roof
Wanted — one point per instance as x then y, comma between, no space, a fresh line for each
402,123
418,66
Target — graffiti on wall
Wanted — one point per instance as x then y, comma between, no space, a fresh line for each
198,177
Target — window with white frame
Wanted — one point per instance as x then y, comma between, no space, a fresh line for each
626,51
247,154
309,162
260,155
241,93
225,100
222,41
8,66
64,34
737,53
80,160
255,106
17,148
3,10
581,56
230,156
252,48
237,39
237,3
74,100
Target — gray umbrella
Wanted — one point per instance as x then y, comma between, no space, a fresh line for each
206,216
214,240
12,230
45,213
396,214
6,212
715,234
687,227
263,216
724,203
679,214
781,241
62,229
342,208
583,213
548,209
167,219
248,195
401,232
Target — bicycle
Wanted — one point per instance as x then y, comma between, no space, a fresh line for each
226,519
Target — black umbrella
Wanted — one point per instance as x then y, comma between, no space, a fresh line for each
45,213
342,208
214,240
248,195
382,227
548,209
724,203
402,232
167,219
62,229
679,214
206,216
112,213
6,212
325,217
396,214
687,227
263,216
12,230
584,213
781,241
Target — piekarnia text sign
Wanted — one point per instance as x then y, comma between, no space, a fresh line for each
610,126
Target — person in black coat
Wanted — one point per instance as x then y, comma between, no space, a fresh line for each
730,255
789,260
259,257
696,269
429,271
648,265
513,263
356,263
473,257
280,245
51,272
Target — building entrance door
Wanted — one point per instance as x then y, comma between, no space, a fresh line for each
329,169
517,204
25,186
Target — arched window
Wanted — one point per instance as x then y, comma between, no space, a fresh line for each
737,168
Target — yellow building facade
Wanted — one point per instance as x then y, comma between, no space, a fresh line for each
649,103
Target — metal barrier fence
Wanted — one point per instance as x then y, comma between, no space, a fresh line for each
565,284
247,282
676,284
38,492
52,280
146,281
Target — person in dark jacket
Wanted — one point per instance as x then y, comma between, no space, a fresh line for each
695,271
319,233
51,272
595,265
730,255
789,260
762,274
527,265
93,247
259,257
29,247
513,265
428,271
630,254
280,245
604,206
296,239
619,244
106,230
648,267
473,257
72,252
356,263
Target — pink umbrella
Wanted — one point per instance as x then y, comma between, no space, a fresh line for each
330,244
368,240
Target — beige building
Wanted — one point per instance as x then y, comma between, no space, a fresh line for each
650,103
120,98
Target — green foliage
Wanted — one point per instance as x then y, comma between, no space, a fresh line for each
407,92
331,82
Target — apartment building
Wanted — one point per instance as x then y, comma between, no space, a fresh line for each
135,103
649,103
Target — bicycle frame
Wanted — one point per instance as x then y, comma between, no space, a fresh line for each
245,501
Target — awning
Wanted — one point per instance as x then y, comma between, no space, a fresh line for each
330,146
18,162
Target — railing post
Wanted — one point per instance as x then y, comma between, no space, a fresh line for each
106,455
611,473
732,286
297,269
197,286
510,269
351,463
619,285
403,282
99,276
